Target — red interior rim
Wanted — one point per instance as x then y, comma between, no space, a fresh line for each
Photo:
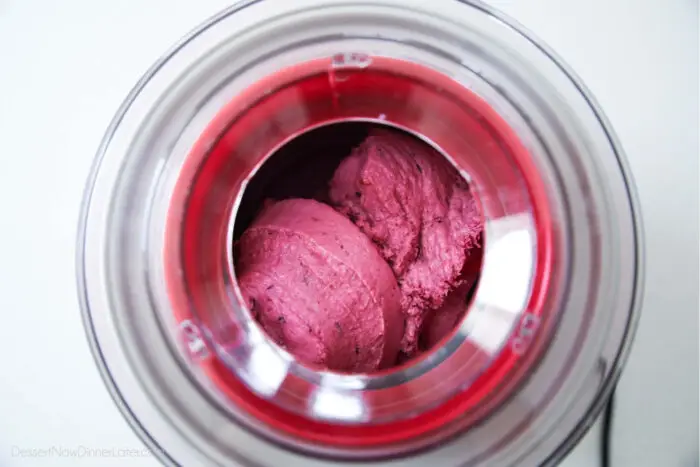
211,152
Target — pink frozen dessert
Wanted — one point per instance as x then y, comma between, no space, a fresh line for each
320,288
440,323
418,210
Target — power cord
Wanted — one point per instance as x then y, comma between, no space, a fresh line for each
606,432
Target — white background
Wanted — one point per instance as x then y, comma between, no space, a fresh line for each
65,67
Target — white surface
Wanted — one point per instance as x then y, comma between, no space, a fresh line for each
65,68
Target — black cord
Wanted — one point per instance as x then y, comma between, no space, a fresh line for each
606,432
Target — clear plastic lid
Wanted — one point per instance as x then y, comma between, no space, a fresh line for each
527,367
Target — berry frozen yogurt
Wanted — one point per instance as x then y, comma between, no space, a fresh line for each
378,277
420,213
319,287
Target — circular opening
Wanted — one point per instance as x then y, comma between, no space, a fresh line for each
406,198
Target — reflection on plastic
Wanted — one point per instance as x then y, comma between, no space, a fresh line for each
505,281
331,404
266,370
